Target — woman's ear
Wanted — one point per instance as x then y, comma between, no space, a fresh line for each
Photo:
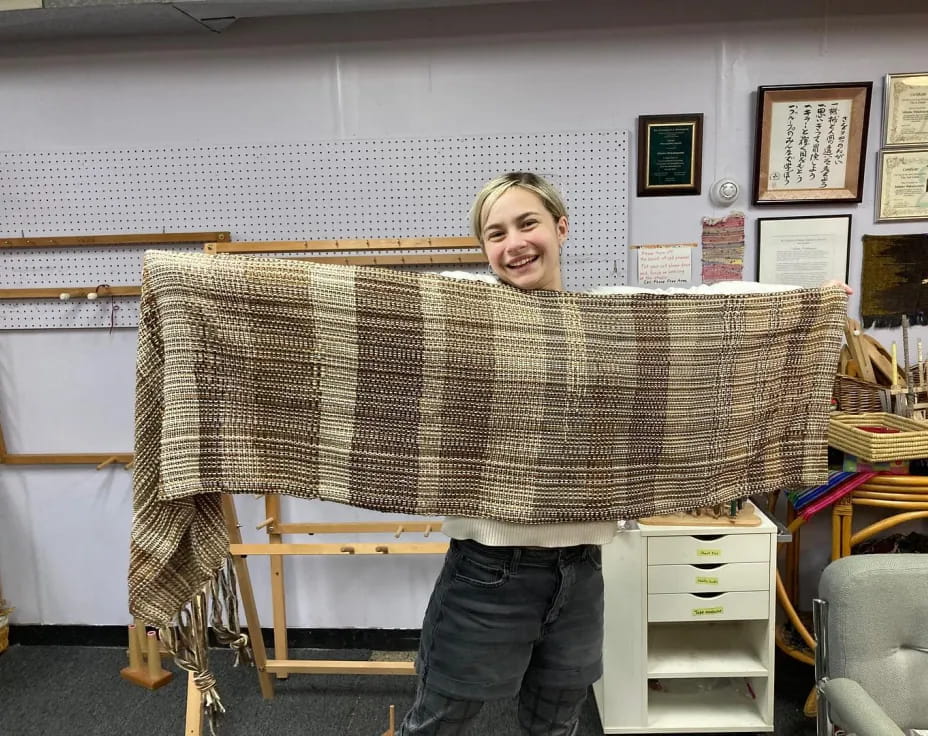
562,229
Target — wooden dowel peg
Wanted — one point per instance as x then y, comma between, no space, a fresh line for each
154,656
141,643
267,522
895,367
130,465
382,548
392,721
135,654
108,461
428,530
347,549
399,530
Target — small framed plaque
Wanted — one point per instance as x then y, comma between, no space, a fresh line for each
902,188
669,155
905,110
810,143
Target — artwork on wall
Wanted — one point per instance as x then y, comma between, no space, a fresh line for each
902,164
722,248
902,184
810,143
905,110
893,280
669,155
803,251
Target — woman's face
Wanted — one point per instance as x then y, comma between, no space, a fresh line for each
523,241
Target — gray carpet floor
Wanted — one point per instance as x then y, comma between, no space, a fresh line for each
77,691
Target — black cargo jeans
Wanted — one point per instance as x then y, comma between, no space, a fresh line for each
504,621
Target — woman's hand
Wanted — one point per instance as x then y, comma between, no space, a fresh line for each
832,282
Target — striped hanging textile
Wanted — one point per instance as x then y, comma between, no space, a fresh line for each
416,393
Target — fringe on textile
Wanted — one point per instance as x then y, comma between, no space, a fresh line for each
214,607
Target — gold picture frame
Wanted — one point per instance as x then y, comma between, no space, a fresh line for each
905,110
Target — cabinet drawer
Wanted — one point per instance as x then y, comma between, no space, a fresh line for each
684,550
720,578
753,604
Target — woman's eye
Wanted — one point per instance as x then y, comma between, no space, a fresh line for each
530,223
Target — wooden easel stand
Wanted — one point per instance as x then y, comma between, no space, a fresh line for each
275,549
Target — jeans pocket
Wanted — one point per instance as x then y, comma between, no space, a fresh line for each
594,553
480,574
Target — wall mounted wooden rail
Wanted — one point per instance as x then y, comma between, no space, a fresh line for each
74,292
90,241
72,241
470,246
101,460
330,246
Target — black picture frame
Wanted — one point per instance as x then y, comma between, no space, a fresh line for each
670,155
814,248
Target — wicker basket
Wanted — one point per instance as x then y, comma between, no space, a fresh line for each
856,395
904,439
4,636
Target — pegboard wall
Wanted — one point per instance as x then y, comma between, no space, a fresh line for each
418,187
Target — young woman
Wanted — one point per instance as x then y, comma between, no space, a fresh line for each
516,609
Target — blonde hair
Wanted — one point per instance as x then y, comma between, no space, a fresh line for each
495,189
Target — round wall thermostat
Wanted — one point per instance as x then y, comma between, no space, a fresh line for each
724,192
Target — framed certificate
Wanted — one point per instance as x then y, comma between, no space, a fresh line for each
905,110
669,154
902,188
810,143
803,251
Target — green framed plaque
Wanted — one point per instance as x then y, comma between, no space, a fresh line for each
669,155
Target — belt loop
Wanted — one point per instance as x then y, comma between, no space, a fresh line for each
514,563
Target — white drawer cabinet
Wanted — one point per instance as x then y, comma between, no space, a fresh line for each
740,606
708,579
690,549
688,641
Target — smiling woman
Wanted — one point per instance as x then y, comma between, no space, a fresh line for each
517,609
521,223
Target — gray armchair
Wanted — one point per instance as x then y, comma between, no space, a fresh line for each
871,660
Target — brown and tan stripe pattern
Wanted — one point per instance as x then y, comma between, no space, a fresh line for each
413,393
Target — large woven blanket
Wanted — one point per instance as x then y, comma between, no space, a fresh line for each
414,393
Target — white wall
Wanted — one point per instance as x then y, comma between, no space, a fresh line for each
64,531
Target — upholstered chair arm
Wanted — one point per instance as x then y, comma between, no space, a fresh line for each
853,709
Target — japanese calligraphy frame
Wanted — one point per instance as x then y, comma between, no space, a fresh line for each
781,148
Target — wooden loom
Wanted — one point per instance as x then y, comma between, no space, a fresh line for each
144,651
101,460
462,251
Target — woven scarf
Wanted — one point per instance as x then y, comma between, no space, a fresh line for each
415,393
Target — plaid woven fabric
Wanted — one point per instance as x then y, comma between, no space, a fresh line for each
415,393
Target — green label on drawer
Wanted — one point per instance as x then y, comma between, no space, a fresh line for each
708,553
706,580
708,611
